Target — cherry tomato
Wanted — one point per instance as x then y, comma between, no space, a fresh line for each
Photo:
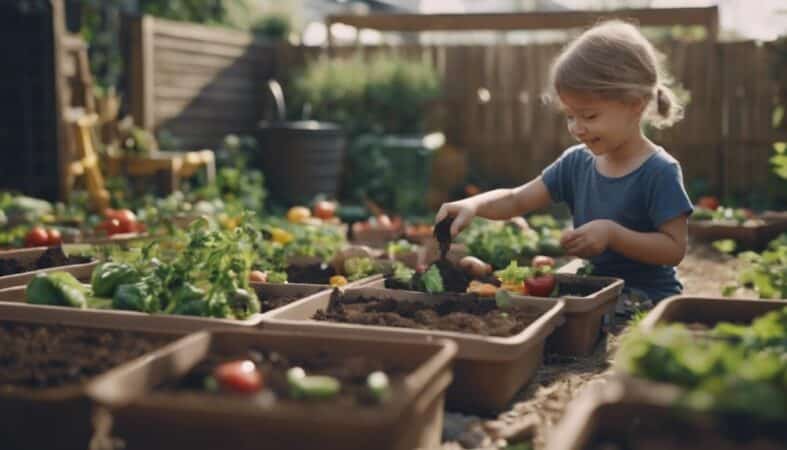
540,286
110,226
258,276
53,237
324,209
37,237
239,376
708,202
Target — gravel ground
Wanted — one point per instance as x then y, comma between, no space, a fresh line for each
540,406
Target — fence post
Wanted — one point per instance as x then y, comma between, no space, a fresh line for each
142,80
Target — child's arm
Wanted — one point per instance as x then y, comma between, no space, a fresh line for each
497,204
664,247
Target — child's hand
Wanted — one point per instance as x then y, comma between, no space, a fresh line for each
591,239
462,211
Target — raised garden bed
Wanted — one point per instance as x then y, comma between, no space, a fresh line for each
276,295
489,369
587,299
172,322
708,311
627,414
17,267
162,403
47,358
754,233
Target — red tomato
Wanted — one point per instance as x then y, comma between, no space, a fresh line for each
324,209
126,218
53,237
239,376
542,260
708,202
540,286
110,226
37,237
258,276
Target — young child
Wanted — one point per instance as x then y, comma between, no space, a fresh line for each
626,193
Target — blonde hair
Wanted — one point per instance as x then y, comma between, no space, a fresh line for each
615,61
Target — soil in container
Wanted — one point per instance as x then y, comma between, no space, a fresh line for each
38,356
465,313
342,380
51,257
271,303
312,273
646,432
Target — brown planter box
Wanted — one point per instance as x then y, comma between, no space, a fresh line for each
753,237
583,315
624,410
164,420
300,291
170,322
58,417
80,271
709,310
488,371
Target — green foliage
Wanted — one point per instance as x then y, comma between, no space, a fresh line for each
779,159
359,267
433,281
513,273
766,272
730,368
391,171
386,94
500,243
402,273
204,271
273,26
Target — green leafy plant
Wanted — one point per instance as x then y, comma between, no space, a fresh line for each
389,93
731,368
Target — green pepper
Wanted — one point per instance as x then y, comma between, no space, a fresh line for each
186,293
134,297
56,288
192,308
108,276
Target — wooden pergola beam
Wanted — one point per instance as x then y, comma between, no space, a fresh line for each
706,16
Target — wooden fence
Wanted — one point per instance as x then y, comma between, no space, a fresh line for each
197,82
200,83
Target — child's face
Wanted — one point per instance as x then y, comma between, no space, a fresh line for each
603,125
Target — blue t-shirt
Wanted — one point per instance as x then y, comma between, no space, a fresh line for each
642,201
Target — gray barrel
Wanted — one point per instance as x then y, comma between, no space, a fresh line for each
301,159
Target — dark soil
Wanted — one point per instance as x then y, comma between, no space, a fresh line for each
312,274
52,257
581,288
442,232
351,371
268,304
38,356
459,313
646,432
